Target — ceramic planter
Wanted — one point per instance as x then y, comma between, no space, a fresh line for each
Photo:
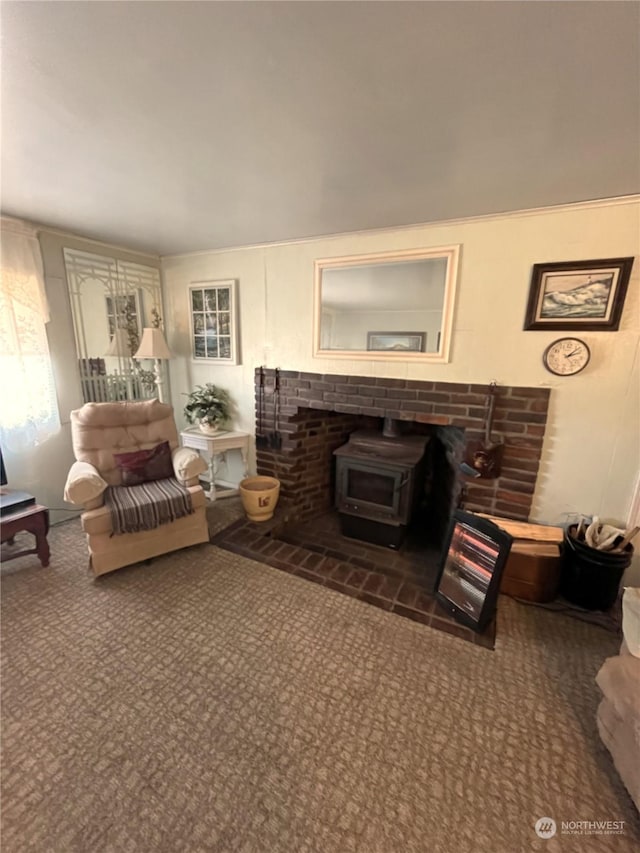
259,497
207,428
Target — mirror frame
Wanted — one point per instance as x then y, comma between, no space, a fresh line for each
452,255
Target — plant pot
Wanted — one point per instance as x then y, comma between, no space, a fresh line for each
209,429
259,497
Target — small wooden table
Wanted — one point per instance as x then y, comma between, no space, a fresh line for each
216,446
33,519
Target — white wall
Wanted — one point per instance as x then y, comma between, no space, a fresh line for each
591,452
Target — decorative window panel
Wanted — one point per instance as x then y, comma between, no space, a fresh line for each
112,300
212,307
121,307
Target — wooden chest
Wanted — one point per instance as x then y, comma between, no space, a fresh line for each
532,571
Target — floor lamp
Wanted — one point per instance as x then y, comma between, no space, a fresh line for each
153,345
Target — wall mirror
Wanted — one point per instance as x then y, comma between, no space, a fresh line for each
111,302
394,306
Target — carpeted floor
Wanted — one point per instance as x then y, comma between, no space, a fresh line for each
210,703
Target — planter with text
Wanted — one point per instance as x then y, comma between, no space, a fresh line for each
259,497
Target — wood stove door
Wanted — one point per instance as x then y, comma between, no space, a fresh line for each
371,491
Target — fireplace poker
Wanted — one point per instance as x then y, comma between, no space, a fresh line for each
261,439
275,438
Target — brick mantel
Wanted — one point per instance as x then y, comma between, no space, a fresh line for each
309,437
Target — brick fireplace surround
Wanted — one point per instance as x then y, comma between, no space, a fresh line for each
310,435
317,414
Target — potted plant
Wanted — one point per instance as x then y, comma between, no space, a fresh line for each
209,406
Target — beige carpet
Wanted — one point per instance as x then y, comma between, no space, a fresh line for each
209,703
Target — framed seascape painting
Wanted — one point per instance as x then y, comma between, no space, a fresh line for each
396,341
587,295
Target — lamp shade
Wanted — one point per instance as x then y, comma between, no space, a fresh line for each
119,345
153,345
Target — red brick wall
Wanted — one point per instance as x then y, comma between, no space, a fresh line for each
318,411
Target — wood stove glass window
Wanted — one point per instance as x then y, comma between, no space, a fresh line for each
369,490
370,487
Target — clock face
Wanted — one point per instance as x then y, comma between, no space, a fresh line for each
566,356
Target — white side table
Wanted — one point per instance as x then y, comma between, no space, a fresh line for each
216,446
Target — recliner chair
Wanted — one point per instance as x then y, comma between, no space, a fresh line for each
100,430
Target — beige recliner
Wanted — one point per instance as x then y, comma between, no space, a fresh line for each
98,431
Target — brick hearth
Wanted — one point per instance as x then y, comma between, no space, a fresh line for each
318,411
398,582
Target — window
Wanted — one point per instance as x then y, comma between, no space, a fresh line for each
29,413
122,311
213,321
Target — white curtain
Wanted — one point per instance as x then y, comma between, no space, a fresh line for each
28,403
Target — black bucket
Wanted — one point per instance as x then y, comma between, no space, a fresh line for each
591,578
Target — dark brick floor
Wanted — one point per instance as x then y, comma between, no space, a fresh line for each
399,581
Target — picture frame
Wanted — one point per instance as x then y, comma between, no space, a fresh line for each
396,341
214,321
572,295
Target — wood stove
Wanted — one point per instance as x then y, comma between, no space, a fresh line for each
379,482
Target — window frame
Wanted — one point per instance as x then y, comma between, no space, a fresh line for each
231,285
114,316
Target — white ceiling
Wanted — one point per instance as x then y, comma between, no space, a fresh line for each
179,126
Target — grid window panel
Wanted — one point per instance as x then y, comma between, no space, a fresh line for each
212,346
213,322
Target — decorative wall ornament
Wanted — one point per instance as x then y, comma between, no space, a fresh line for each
111,301
214,324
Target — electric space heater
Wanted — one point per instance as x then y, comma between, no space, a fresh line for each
473,560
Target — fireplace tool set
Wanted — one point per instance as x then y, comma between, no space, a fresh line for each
268,440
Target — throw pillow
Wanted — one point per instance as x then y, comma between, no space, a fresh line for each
141,466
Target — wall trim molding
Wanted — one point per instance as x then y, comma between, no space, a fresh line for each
73,235
615,201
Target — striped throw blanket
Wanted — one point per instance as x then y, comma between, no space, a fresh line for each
147,506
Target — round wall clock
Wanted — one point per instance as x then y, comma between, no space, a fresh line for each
566,356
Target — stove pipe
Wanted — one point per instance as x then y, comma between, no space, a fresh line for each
391,428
